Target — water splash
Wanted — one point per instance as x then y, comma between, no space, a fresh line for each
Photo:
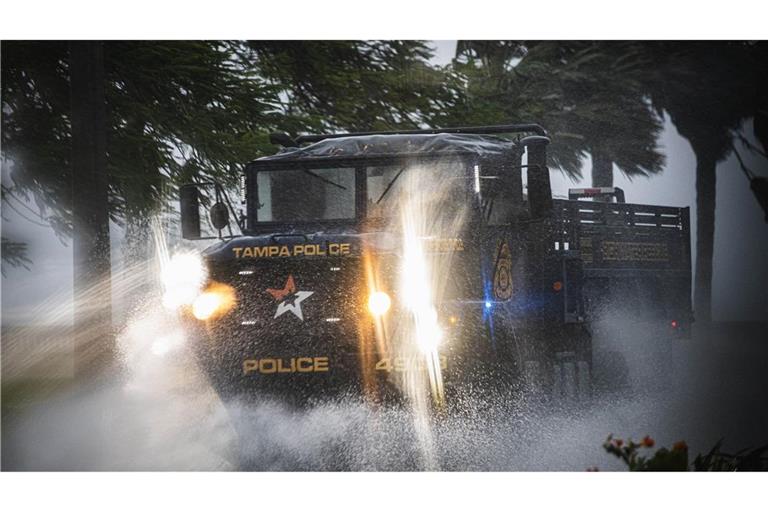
163,415
427,202
157,411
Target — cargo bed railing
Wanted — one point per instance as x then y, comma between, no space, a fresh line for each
624,214
626,240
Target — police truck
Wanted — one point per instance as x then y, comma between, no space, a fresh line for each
420,264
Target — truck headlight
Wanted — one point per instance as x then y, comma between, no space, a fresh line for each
182,276
214,302
379,303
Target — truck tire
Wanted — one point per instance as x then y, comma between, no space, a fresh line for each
564,376
571,378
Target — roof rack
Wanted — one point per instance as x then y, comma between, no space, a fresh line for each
285,140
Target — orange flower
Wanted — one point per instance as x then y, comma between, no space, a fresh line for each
679,446
648,442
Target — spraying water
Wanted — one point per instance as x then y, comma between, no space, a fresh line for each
156,410
425,207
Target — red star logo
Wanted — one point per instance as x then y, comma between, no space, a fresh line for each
289,299
289,288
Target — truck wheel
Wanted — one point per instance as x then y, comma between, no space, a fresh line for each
571,378
572,367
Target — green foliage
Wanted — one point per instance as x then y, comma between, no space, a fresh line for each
587,94
708,88
748,459
676,457
35,125
184,111
354,85
178,111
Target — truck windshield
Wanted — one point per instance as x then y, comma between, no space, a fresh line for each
306,194
329,193
439,187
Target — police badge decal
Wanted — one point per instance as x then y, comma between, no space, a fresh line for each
502,274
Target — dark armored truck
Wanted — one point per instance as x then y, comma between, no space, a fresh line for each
420,264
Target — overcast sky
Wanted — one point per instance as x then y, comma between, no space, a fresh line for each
740,283
444,52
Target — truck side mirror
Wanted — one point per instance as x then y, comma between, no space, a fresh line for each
539,187
219,216
189,204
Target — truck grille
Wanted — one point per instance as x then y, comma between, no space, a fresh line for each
293,296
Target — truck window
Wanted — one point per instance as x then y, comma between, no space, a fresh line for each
305,194
439,187
502,194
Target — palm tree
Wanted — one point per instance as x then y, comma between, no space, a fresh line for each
90,207
708,90
588,94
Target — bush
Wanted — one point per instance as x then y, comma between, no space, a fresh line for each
676,457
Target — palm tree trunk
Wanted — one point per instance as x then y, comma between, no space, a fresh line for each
706,165
90,210
602,169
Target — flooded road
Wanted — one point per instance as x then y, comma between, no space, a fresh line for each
159,413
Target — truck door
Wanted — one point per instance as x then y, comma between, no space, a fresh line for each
502,256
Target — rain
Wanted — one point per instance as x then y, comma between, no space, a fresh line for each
132,340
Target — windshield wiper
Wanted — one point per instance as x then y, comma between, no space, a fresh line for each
390,185
326,180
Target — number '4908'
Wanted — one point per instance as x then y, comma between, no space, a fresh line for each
401,364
